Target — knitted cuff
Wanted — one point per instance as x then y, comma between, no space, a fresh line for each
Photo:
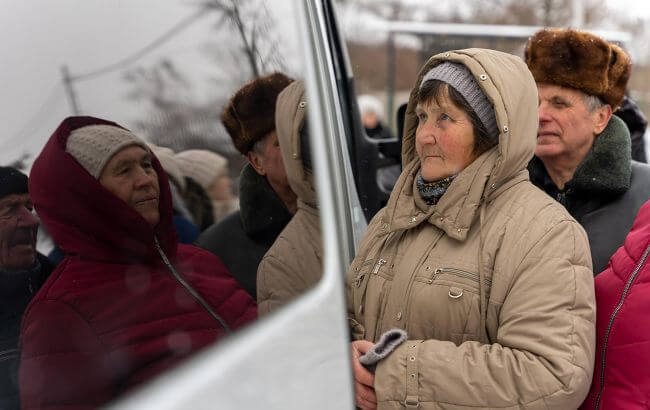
386,344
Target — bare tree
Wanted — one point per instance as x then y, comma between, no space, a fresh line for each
177,117
251,21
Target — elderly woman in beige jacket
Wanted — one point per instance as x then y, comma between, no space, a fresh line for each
490,278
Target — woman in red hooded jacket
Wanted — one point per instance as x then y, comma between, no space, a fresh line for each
621,376
128,301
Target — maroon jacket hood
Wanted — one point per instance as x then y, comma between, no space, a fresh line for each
87,220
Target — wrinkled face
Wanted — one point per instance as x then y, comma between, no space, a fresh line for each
18,227
444,139
369,119
221,188
270,161
566,127
130,176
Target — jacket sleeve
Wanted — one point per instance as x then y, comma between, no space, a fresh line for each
62,364
542,355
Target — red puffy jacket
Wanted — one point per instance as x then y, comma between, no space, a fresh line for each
621,376
120,308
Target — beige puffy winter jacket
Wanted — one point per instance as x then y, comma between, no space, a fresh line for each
293,264
493,284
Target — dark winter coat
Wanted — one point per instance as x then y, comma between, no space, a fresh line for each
637,123
16,290
621,379
122,306
242,238
605,193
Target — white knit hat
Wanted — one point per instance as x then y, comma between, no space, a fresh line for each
168,161
370,103
94,145
201,165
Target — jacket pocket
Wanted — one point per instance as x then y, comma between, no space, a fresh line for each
455,277
452,295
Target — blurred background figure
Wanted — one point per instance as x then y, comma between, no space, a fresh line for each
210,170
199,203
183,219
22,272
372,117
637,123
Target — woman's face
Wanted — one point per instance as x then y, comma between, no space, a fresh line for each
444,139
221,188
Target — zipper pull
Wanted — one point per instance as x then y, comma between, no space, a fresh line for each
378,265
358,279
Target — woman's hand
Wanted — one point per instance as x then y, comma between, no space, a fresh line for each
364,380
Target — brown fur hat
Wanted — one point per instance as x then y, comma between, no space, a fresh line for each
579,60
250,113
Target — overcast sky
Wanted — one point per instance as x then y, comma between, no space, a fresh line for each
39,36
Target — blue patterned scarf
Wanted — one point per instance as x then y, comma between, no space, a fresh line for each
431,192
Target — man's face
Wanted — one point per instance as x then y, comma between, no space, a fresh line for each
130,176
566,126
269,163
18,227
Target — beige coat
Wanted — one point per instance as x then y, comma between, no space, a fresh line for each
493,284
293,264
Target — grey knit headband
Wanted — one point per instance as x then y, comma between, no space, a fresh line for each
460,79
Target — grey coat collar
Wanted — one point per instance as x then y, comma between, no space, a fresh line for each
607,168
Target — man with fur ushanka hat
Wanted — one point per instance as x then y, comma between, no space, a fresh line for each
266,200
22,272
583,156
127,302
293,264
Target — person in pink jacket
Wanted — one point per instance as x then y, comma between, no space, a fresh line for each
621,377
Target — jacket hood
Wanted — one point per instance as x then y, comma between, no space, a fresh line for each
509,85
289,121
87,220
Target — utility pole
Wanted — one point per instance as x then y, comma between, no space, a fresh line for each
390,73
578,14
69,90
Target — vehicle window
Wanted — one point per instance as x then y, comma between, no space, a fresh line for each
126,304
388,41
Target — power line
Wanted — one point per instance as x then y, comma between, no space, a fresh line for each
36,119
142,52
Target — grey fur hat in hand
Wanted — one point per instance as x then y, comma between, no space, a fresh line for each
386,344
